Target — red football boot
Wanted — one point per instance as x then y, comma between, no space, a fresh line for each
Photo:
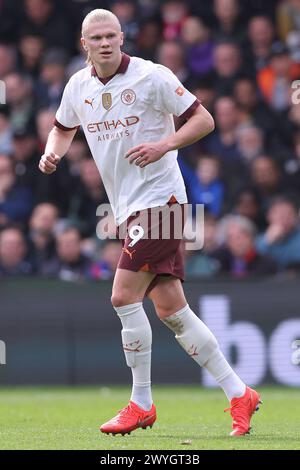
241,411
129,419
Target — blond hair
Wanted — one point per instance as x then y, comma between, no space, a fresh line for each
97,16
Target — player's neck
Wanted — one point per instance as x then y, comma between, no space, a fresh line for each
106,70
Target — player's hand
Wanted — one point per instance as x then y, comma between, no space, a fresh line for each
48,163
147,153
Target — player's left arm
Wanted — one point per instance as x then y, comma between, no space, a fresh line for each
197,126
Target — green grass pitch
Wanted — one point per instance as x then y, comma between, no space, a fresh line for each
189,418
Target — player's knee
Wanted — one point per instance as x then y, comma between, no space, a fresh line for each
166,309
118,300
122,298
163,311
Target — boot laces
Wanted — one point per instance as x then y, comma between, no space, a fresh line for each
238,412
124,413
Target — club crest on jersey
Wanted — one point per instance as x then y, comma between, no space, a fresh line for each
106,100
128,96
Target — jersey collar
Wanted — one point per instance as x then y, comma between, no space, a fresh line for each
121,69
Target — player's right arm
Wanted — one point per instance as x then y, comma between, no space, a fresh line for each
65,127
58,144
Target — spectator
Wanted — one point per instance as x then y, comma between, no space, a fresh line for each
125,10
247,204
261,35
42,18
292,164
229,21
281,240
10,14
253,109
204,186
174,13
171,55
149,39
44,123
19,94
74,11
13,253
31,47
238,256
288,18
25,157
149,9
106,267
203,10
223,141
52,79
77,62
15,201
246,94
89,195
275,80
69,264
199,46
7,60
250,142
41,233
201,262
293,43
266,8
227,61
267,178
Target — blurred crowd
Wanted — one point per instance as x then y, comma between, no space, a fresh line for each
240,58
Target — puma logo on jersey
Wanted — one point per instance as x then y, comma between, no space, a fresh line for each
87,101
129,253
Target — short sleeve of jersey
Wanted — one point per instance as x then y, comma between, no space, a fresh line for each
66,117
169,94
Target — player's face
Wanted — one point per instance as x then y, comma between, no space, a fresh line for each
103,41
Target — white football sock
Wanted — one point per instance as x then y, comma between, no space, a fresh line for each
137,341
199,342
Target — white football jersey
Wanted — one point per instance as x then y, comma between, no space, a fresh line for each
135,106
